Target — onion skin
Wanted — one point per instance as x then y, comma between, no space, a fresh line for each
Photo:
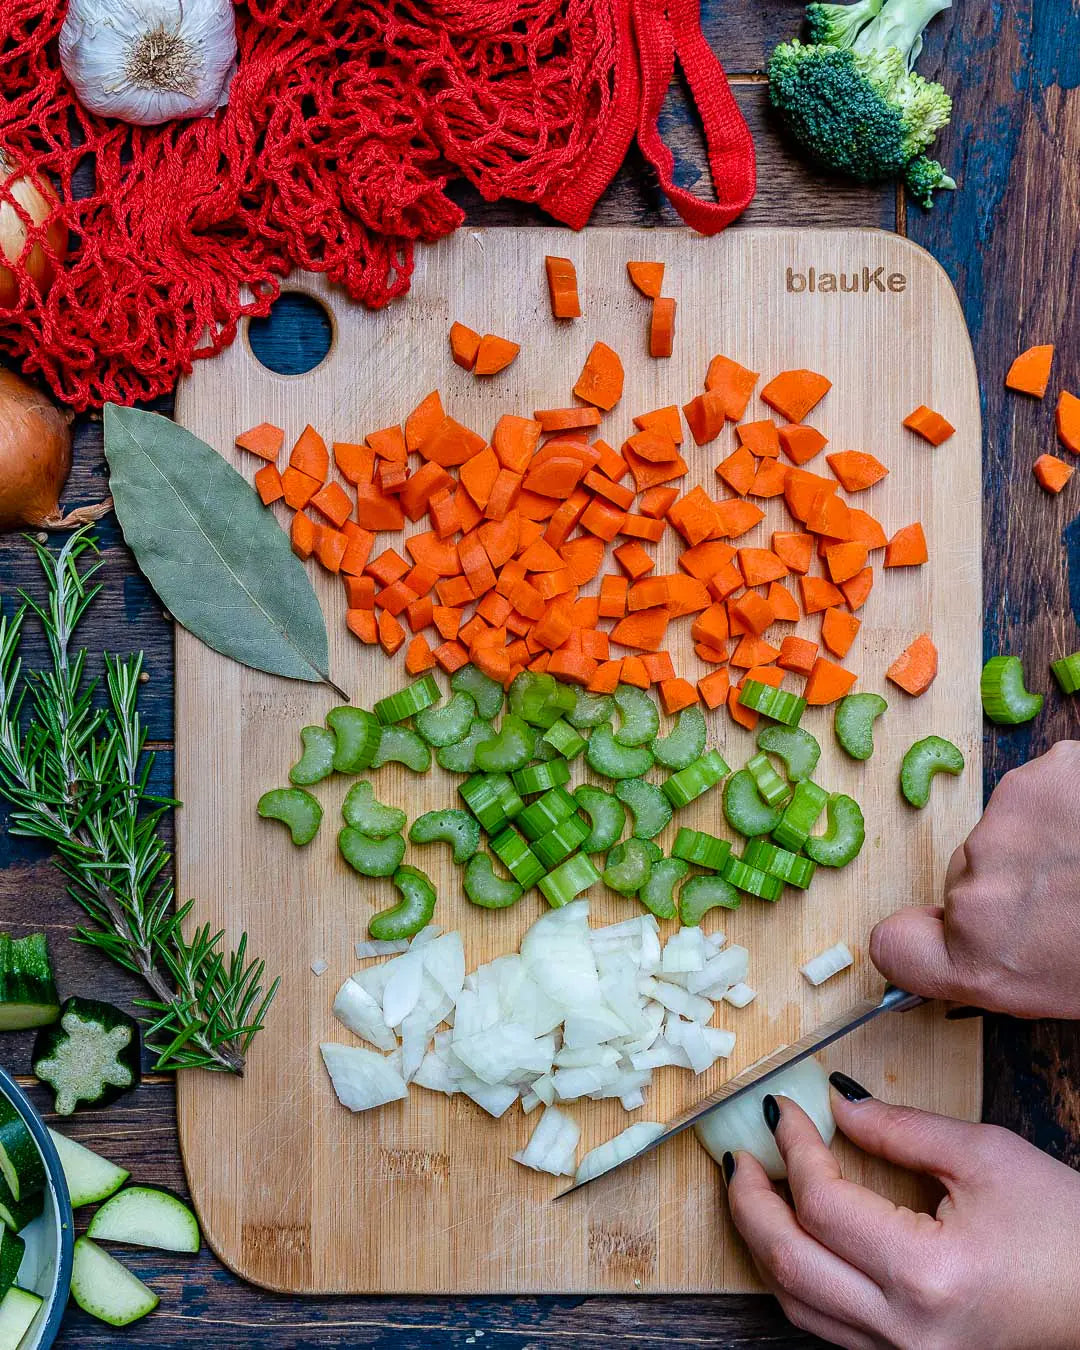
35,195
35,456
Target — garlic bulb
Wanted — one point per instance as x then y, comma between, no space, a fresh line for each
148,61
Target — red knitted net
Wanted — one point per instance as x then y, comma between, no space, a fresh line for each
346,120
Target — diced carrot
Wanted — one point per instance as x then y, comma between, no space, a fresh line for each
666,420
782,603
767,674
794,550
376,512
423,420
555,626
565,517
390,476
443,513
619,496
302,536
503,494
1030,372
930,425
654,445
759,566
515,440
439,554
468,513
494,354
634,561
716,656
662,326
363,625
586,611
606,677
736,517
602,520
420,579
494,609
655,502
539,556
838,630
659,666
556,476
677,694
298,487
648,277
500,539
745,717
737,625
827,682
475,564
265,440
802,489
686,595
359,592
611,464
738,470
711,626
648,593
733,384
594,643
705,417
818,593
418,656
647,475
421,613
769,479
361,542
858,588
309,455
389,443
562,288
1068,421
761,438
566,419
572,667
355,463
613,593
601,378
725,581
856,469
694,516
755,611
1050,472
332,503
801,443
451,656
797,654
478,474
642,527
464,344
395,599
540,663
753,651
447,620
391,633
713,688
388,567
864,529
583,558
915,669
705,560
268,484
829,514
845,560
794,393
634,672
455,591
907,547
450,443
643,630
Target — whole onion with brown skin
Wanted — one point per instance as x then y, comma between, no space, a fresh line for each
35,457
36,197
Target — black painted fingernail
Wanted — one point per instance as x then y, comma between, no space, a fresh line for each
962,1014
771,1111
848,1088
727,1166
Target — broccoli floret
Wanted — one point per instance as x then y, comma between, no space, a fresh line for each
854,105
923,177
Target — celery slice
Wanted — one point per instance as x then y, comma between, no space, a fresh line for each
700,894
795,746
357,738
604,755
402,745
445,724
696,779
844,837
486,889
752,879
542,815
412,912
461,757
629,866
510,748
590,710
371,857
658,892
1005,697
923,762
451,826
541,777
704,850
685,743
854,721
640,716
568,880
317,761
364,813
779,704
422,693
650,808
773,789
606,814
517,857
1067,673
485,692
296,809
744,807
780,862
561,736
558,844
800,815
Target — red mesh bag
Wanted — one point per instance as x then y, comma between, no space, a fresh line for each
346,121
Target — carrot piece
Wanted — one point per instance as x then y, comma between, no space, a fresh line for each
268,484
527,600
594,643
676,694
760,438
390,477
422,421
634,672
309,455
648,277
616,493
503,495
797,654
557,476
418,656
1068,421
1030,372
388,567
359,592
801,443
420,613
655,501
648,593
864,529
767,674
265,440
754,611
298,488
694,516
705,416
782,603
735,517
464,344
601,378
733,384
717,656
468,513
713,688
907,547
711,626
845,560
705,560
662,326
801,491
818,593
540,663
302,536
753,651
644,629
1050,472
494,609
794,393
737,625
562,288
838,630
539,556
613,594
794,550
858,588
610,464
567,419
759,566
354,462
829,515
583,558
514,440
376,512
930,425
745,717
391,633
500,539
686,595
472,631
565,517
361,542
494,354
573,667
333,504
438,554
475,564
391,442
658,666
555,627
769,479
738,470
450,443
647,475
602,520
477,476
443,513
454,591
420,579
654,445
447,621
362,624
856,469
395,599
827,682
665,420
643,527
725,581
605,678
451,656
915,669
587,611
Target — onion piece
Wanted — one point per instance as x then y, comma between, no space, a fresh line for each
387,947
828,963
552,1144
683,952
356,1009
362,1079
739,995
606,1156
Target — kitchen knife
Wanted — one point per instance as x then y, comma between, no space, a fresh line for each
893,1000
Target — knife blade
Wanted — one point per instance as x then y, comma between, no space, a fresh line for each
893,1000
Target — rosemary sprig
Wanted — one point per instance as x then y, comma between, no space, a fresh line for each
76,774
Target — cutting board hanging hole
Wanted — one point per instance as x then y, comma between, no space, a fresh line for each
295,337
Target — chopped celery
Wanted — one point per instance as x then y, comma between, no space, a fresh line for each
295,808
509,748
657,894
800,815
926,759
484,888
629,866
607,815
446,724
640,716
357,738
744,807
779,704
317,761
1005,697
779,862
795,746
590,710
1067,673
412,912
542,815
854,721
696,779
485,692
752,879
700,894
492,799
517,857
843,839
566,838
541,777
605,756
704,850
364,813
371,857
685,743
461,758
450,826
773,789
402,746
538,699
562,737
568,880
422,693
650,808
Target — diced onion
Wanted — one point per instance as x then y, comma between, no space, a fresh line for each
552,1145
388,947
606,1156
739,995
827,964
362,1078
320,967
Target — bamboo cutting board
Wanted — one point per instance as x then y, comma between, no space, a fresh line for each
295,1192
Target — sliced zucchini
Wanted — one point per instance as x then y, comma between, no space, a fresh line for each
90,1177
145,1217
21,1163
18,1308
27,992
12,1248
16,1214
105,1289
91,1055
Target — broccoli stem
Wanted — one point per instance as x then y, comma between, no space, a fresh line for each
900,24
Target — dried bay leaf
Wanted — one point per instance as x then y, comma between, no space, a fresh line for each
218,560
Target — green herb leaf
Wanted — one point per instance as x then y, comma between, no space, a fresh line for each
218,560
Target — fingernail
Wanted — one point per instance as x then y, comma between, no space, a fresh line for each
727,1166
771,1111
962,1014
848,1088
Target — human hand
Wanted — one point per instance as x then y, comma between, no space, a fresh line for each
1008,937
994,1269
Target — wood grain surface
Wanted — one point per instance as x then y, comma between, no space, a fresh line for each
1008,240
278,1169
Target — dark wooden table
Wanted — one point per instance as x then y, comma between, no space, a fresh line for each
1010,241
